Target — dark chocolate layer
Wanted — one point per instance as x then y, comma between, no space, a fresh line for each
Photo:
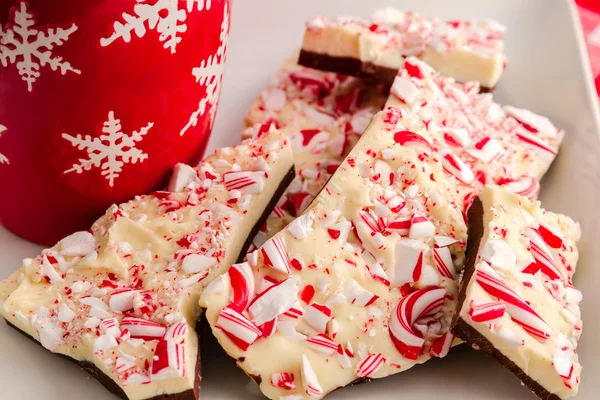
352,66
287,179
461,329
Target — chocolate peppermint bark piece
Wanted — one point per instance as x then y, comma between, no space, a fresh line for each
122,299
324,115
376,47
361,286
517,300
479,141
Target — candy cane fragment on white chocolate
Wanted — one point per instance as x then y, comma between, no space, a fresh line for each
142,329
242,285
238,328
406,338
275,255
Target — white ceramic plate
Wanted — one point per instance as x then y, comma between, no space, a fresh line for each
547,73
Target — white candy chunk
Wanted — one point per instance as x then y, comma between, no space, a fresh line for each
274,99
317,315
408,262
137,379
78,244
92,322
81,286
110,327
444,241
104,342
216,286
93,302
195,263
182,176
510,337
405,90
499,254
51,333
274,301
122,300
301,227
309,379
421,227
572,295
65,314
358,295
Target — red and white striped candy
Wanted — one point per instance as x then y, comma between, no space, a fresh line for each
322,344
238,328
340,231
531,121
182,176
268,328
455,166
441,346
144,302
401,226
418,304
542,255
517,308
275,254
392,116
293,314
309,379
358,295
396,204
142,329
168,361
242,285
371,221
245,181
284,380
550,236
344,355
487,312
369,365
274,301
317,315
177,332
110,327
413,141
421,227
50,272
382,172
541,145
408,262
487,150
375,269
443,262
458,137
121,300
524,186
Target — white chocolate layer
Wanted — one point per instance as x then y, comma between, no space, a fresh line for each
113,295
331,282
541,340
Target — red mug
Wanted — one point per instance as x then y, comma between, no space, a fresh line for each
99,99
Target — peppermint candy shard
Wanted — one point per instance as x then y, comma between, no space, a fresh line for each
239,329
369,365
169,360
421,303
515,306
142,329
443,262
242,285
487,312
284,380
542,255
441,346
244,181
317,315
274,301
310,383
276,256
413,141
322,344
